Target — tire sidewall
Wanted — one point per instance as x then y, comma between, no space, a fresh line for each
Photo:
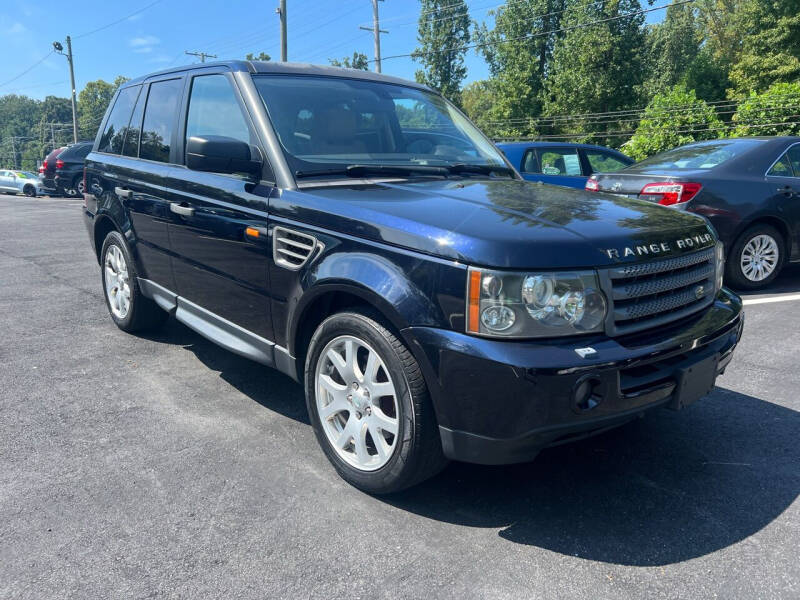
29,191
114,238
363,328
736,277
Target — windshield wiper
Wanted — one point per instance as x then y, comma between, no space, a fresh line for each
459,168
364,170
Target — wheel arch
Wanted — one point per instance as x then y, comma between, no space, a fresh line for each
103,225
767,219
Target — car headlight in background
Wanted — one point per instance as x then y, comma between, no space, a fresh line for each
719,264
527,305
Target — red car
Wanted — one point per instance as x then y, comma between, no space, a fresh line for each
47,171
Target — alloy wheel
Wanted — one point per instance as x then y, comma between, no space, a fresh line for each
117,283
759,257
357,403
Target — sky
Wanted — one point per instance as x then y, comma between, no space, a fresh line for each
156,37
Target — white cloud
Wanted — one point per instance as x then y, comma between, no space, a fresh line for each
144,44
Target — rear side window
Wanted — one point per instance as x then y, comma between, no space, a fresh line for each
559,161
530,164
131,147
782,168
214,110
114,134
603,162
160,119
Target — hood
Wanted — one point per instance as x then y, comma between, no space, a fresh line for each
499,223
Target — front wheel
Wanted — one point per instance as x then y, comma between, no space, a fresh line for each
756,258
369,405
29,191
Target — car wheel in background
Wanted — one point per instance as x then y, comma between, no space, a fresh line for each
369,405
29,191
756,258
129,308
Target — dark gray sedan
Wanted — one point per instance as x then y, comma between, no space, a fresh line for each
749,188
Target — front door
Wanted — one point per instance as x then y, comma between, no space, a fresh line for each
218,229
783,180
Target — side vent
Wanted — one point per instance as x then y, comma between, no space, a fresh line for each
291,249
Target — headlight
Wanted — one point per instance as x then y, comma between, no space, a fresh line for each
720,266
528,305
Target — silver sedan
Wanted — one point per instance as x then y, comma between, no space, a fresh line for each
20,182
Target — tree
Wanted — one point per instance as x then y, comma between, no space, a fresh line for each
672,47
597,68
93,101
673,118
519,52
358,61
442,32
260,56
774,112
477,100
770,52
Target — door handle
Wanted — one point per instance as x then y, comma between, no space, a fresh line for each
787,191
123,193
179,209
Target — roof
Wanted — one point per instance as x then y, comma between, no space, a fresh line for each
286,68
536,143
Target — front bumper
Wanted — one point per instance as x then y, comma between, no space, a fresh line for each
501,402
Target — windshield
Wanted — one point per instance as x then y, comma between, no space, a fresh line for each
328,123
705,155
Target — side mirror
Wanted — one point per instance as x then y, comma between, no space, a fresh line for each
220,154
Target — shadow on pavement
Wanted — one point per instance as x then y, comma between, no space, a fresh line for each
786,283
664,489
668,488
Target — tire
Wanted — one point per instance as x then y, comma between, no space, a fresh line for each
29,191
413,452
130,310
766,248
76,187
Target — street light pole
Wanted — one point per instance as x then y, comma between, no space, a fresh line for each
60,50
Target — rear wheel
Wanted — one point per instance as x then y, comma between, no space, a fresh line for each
129,308
75,188
369,405
756,258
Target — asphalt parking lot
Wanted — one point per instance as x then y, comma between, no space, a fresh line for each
163,466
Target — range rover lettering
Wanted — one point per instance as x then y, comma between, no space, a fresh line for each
356,232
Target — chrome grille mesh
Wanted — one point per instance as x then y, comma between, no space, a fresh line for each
655,293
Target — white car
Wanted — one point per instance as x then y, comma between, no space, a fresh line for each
21,182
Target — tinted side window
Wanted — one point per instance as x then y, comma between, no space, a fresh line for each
160,119
794,158
603,162
530,164
114,134
782,168
560,161
213,110
131,147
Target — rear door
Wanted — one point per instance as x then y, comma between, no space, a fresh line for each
7,181
217,265
783,180
557,165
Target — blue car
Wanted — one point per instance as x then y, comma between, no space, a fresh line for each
562,163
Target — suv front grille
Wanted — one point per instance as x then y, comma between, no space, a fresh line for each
655,293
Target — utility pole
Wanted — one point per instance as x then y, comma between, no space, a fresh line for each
203,55
376,32
281,10
60,50
53,136
14,151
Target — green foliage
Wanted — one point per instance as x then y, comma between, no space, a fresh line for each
519,51
357,61
672,47
597,67
92,104
774,112
442,31
771,49
672,119
260,56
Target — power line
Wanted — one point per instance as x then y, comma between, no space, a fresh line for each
543,33
28,70
125,18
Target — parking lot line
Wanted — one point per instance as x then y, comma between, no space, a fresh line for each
770,299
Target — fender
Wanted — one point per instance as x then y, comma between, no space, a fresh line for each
371,277
110,207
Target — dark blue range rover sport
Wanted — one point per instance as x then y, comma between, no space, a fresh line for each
358,233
